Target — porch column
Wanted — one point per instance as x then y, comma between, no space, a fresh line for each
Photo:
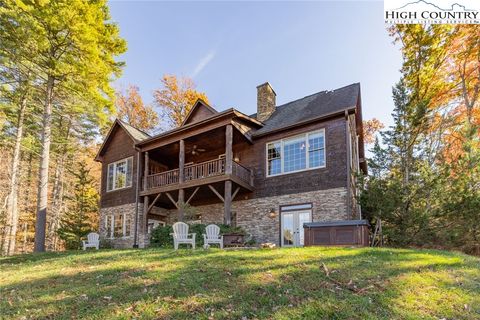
228,149
181,179
144,221
227,204
146,171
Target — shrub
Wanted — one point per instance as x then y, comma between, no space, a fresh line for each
160,236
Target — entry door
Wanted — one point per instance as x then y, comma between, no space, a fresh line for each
292,227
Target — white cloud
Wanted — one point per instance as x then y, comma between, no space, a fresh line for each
203,63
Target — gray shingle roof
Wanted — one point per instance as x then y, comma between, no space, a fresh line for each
135,133
311,107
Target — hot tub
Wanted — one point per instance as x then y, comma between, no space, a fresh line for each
337,233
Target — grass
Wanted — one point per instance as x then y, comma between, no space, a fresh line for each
306,283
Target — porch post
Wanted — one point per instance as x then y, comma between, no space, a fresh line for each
227,204
228,149
146,171
181,179
144,220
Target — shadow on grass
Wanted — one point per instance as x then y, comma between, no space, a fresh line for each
279,284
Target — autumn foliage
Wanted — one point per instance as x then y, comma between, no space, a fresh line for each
175,99
131,109
370,128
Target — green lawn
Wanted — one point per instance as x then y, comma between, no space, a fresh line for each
307,283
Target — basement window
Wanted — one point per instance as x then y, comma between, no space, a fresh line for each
298,153
117,226
119,174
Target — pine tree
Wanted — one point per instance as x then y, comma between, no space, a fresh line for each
78,222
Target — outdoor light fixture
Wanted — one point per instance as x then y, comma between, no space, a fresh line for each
272,213
236,159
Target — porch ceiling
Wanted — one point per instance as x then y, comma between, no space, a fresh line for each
212,142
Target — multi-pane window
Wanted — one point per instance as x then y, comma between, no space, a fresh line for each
274,158
298,153
119,174
316,149
117,226
295,157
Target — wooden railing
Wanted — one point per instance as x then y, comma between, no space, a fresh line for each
199,171
242,172
206,169
162,179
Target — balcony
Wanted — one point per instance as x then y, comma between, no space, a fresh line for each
198,174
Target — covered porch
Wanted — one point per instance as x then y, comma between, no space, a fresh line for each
196,169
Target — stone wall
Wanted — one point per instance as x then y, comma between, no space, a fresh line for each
129,211
253,215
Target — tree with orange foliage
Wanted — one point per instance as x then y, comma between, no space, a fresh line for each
176,98
370,128
131,109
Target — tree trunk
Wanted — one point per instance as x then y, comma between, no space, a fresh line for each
58,190
12,201
42,193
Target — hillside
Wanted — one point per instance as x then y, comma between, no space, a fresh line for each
307,283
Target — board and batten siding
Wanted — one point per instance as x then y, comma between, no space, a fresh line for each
120,146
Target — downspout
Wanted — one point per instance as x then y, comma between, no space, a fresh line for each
137,191
347,140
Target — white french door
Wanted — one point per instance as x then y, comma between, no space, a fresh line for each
292,232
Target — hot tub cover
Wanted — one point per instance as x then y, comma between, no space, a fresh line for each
336,223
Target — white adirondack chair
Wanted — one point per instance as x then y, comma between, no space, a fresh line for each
180,235
92,241
212,236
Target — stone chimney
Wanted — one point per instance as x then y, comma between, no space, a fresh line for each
265,101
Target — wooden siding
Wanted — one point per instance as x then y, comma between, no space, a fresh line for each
251,156
198,114
332,176
121,146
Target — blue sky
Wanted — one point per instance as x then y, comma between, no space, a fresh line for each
229,48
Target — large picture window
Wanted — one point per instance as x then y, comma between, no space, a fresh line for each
303,152
119,174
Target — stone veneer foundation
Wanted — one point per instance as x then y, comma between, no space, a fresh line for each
125,242
252,215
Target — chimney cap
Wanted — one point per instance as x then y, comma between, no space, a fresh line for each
267,84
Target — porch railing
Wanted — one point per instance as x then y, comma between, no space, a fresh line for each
242,172
206,169
162,179
199,171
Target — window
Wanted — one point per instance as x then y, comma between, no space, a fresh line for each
274,158
295,157
119,174
298,153
117,226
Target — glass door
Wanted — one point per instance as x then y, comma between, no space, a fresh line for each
288,229
292,231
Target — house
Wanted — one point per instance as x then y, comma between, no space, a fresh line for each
269,172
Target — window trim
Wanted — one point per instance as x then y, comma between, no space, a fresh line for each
112,226
114,174
282,158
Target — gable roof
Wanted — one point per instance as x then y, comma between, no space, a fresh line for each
135,134
199,106
317,105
